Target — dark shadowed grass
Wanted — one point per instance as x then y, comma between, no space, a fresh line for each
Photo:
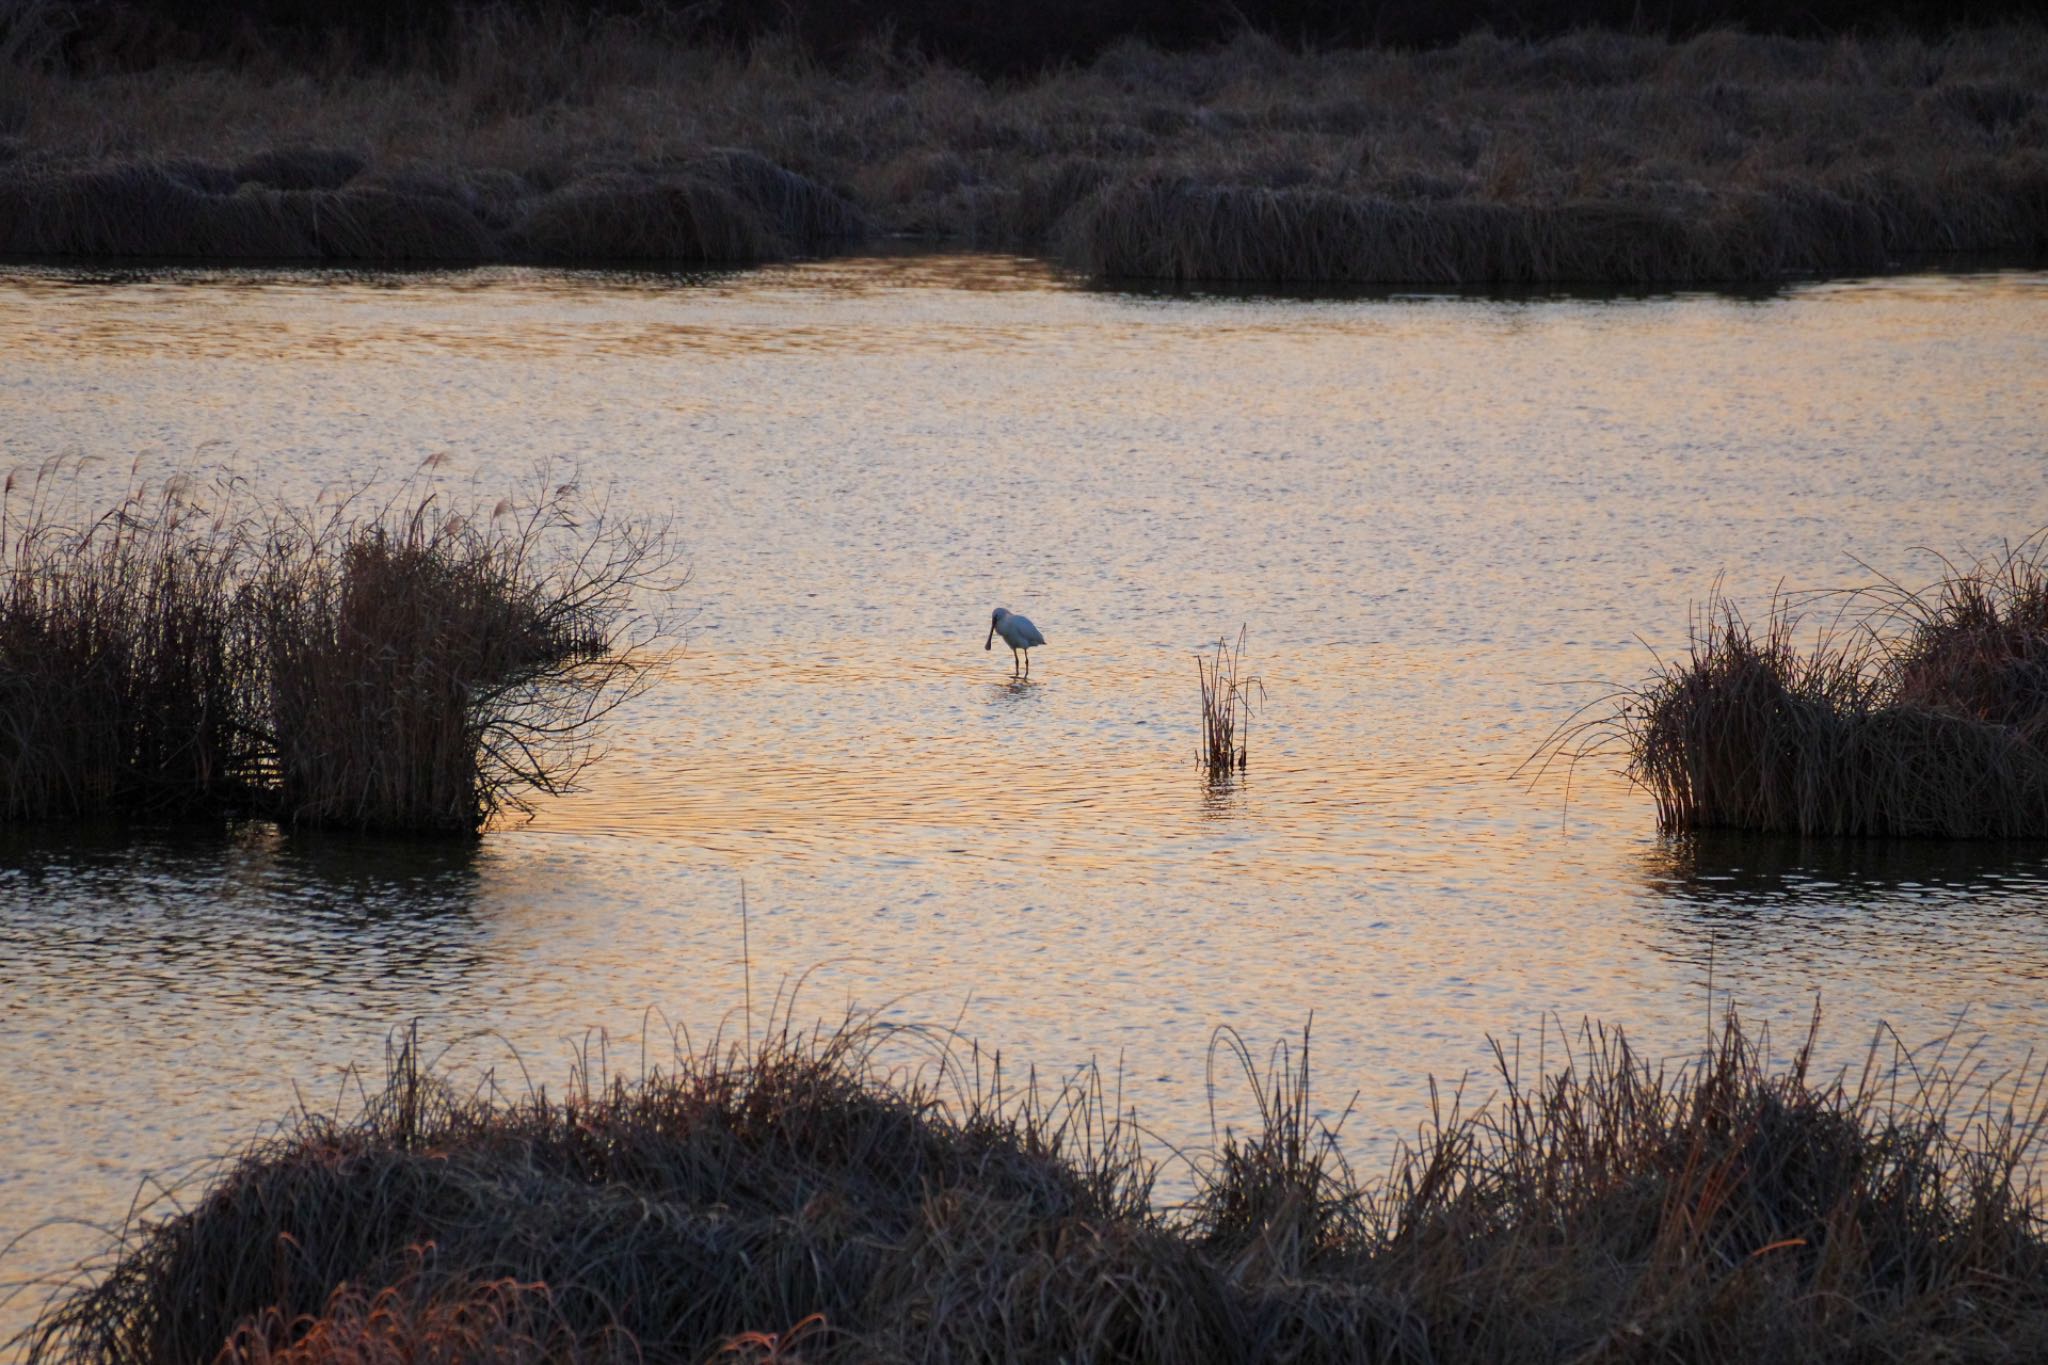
146,208
320,204
1189,228
122,661
1761,1214
409,667
425,669
623,216
869,1193
1596,156
1914,712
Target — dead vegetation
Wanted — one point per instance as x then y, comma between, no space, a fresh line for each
122,660
1227,692
1912,712
881,1194
1595,156
195,210
410,666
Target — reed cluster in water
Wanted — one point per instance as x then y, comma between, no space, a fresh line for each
400,667
1227,692
1594,156
1917,713
804,1199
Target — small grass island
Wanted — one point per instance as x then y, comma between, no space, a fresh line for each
193,653
1913,712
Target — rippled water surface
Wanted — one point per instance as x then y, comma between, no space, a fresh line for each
1439,518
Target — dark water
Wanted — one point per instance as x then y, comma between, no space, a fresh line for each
1437,517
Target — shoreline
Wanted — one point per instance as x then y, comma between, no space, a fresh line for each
893,1193
1947,265
1594,159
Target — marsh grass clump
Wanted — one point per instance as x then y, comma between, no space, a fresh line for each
408,667
123,666
188,209
298,168
1977,643
1606,157
871,1193
626,216
1918,712
736,1190
1227,692
426,671
1728,1210
321,204
797,208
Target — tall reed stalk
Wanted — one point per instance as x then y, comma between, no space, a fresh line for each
1227,692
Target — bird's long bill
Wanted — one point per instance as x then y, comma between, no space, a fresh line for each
990,643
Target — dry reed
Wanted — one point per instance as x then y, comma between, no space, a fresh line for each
878,1194
428,670
406,667
500,1321
122,662
634,217
1227,692
1915,712
197,210
1595,156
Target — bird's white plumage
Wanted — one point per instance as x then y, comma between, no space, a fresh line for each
1017,632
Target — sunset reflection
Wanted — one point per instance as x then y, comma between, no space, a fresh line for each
1447,521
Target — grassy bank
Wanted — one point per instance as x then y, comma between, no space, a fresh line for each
1912,712
803,1200
400,667
993,37
1594,156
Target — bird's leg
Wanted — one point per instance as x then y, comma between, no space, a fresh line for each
1027,663
1013,661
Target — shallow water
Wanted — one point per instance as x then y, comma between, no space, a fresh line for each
1438,517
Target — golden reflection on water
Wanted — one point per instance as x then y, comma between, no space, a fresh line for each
1437,517
914,753
284,314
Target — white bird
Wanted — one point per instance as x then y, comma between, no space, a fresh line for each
1017,632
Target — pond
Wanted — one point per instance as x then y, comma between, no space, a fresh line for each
1444,521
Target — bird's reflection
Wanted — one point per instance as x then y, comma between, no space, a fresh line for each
1014,693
